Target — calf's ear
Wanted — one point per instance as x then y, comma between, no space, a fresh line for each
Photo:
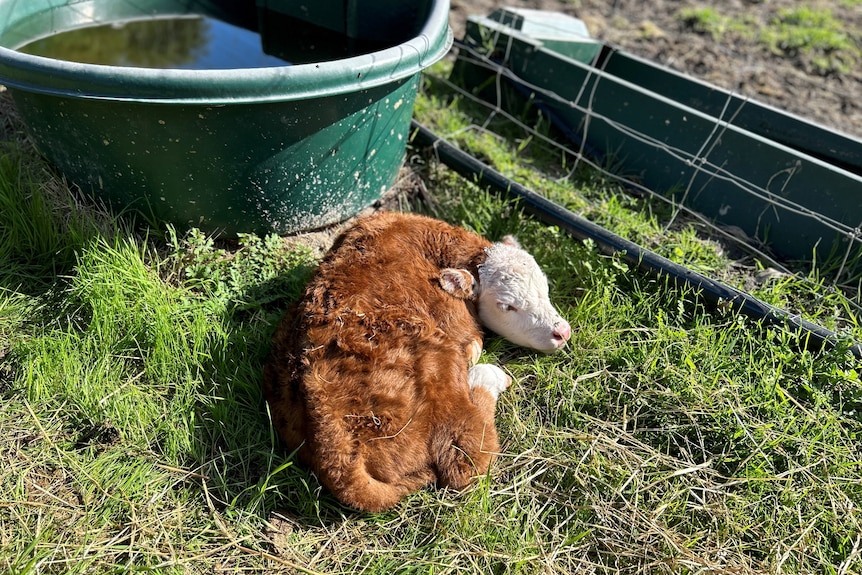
458,282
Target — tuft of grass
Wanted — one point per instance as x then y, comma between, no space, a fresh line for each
41,226
704,21
816,35
809,34
255,272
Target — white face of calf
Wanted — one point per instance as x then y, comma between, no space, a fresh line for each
513,299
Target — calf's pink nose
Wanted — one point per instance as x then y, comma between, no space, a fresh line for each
563,330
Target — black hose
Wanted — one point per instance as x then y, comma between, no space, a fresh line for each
815,336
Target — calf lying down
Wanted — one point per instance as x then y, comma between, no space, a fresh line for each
371,376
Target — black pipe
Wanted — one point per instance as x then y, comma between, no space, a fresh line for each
717,293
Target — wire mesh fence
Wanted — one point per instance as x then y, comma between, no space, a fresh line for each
836,258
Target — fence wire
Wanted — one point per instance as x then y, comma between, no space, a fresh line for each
578,153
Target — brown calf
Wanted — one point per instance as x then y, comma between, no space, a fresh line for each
369,376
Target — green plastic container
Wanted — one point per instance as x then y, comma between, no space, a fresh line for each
277,149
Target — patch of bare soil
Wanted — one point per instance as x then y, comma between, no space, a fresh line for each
653,29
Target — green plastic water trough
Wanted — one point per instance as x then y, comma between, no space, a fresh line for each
273,149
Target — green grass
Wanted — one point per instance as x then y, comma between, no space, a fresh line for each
666,438
811,35
817,35
705,21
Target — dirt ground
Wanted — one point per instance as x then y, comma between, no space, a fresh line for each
653,29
